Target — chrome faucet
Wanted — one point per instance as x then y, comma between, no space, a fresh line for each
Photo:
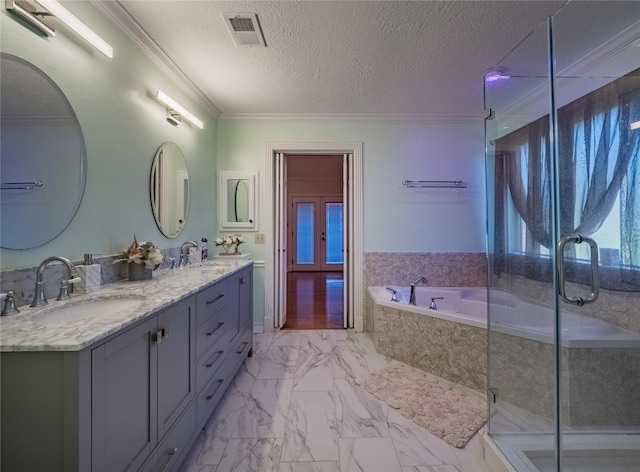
184,252
394,297
39,298
432,305
412,295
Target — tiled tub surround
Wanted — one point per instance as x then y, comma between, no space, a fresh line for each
600,386
30,330
448,349
442,269
22,281
601,363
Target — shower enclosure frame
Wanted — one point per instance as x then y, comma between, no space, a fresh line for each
538,417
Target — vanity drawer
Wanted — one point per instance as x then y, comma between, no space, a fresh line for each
210,300
209,363
240,350
215,329
211,394
173,446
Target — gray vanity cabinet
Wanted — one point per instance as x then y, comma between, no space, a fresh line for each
133,401
141,383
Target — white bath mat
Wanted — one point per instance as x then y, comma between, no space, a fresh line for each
444,408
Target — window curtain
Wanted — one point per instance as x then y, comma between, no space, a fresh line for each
598,156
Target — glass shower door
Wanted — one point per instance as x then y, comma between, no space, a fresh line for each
563,174
521,294
597,102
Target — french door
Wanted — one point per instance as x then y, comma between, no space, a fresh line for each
317,233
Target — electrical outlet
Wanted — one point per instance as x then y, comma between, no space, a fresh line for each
259,238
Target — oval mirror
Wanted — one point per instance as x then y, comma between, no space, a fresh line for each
241,201
43,169
170,189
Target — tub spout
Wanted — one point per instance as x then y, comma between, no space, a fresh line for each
412,295
394,297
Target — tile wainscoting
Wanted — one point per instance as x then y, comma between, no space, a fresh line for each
442,269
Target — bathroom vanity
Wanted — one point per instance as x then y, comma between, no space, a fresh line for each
128,390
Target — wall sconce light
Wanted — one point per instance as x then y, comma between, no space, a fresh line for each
42,14
175,111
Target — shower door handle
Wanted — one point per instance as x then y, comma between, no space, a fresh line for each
577,239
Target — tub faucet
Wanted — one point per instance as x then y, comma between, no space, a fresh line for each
184,252
394,297
432,305
412,295
39,298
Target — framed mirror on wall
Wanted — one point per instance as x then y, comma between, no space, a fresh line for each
236,200
43,169
169,189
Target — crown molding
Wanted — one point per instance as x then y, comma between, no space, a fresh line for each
119,16
323,118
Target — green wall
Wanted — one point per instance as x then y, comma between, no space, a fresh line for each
123,126
396,219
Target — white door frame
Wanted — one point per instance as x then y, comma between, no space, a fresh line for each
355,226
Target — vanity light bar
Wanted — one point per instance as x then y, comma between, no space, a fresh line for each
39,14
176,107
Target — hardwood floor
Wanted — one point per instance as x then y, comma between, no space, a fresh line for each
314,300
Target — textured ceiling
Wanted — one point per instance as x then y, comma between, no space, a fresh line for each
342,57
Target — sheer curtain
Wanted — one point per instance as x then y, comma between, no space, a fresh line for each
598,154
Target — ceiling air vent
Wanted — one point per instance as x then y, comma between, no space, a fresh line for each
245,30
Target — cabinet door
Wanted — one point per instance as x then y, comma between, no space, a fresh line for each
124,401
176,367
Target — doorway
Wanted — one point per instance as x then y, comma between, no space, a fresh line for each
277,221
315,236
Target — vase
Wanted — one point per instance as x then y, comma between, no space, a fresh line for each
139,272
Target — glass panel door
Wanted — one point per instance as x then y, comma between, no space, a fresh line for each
598,149
318,233
563,174
521,295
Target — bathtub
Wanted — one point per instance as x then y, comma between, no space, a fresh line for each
452,342
510,314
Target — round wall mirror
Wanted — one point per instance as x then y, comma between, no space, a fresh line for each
43,169
170,189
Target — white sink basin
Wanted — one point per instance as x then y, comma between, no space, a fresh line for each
99,307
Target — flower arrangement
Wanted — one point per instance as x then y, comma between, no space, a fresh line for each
229,241
145,253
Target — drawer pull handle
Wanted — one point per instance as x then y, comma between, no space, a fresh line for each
242,281
214,358
218,326
244,344
169,454
160,335
211,395
213,300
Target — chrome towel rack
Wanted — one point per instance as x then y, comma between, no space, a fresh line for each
435,183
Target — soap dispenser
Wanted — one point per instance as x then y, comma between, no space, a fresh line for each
90,274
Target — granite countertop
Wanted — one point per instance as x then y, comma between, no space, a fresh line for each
31,330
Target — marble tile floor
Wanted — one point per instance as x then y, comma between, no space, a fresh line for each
294,407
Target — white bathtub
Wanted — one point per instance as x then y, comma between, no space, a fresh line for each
509,315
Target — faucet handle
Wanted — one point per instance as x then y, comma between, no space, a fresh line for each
9,307
64,291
